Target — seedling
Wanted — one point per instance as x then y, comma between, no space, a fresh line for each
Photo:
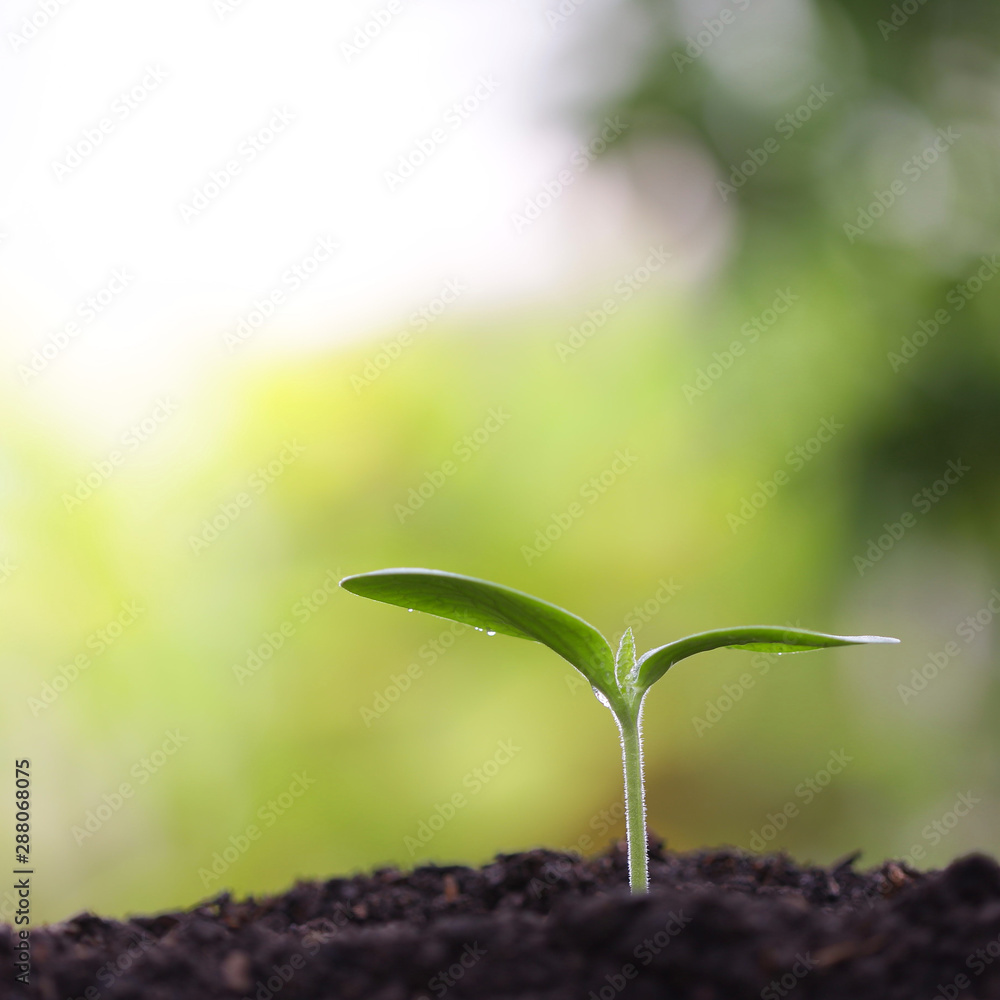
620,682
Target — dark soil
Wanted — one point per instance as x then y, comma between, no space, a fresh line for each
717,924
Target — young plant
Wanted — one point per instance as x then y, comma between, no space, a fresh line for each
620,682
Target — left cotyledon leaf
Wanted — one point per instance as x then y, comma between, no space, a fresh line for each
493,608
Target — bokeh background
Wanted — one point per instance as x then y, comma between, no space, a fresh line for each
377,284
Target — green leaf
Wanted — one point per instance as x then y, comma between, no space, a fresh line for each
767,638
494,608
625,660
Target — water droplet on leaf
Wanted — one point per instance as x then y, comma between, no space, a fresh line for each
491,633
601,698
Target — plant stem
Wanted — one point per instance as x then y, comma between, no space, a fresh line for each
635,799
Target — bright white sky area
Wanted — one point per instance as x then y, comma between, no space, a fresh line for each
180,161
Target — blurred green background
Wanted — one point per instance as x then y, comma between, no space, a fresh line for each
778,480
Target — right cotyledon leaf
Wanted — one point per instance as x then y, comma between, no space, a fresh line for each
767,638
493,608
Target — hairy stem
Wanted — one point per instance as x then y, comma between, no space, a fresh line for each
635,800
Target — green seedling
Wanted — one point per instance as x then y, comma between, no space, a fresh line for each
620,682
